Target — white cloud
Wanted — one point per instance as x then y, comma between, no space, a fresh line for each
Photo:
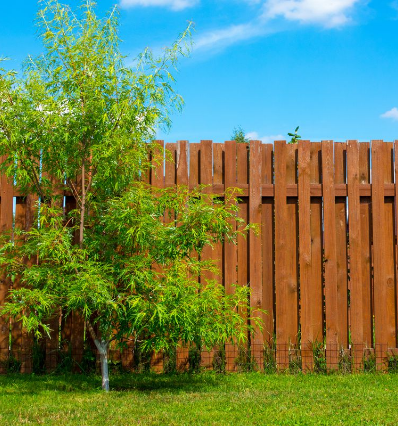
329,13
392,114
227,36
172,4
264,139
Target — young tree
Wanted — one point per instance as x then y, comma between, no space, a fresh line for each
80,120
239,136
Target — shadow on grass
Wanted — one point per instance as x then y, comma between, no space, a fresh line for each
32,384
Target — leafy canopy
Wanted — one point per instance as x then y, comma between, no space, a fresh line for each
80,120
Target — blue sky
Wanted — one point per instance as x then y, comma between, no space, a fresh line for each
329,66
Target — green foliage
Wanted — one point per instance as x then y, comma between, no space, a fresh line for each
295,137
219,362
270,358
38,356
318,353
12,364
80,120
392,363
239,136
369,363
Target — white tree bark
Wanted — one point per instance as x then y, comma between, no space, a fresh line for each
102,347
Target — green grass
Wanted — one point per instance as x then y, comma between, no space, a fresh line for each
203,399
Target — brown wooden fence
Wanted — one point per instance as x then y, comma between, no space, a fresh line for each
323,266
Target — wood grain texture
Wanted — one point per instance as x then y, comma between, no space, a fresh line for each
355,239
340,167
281,277
267,232
366,247
305,257
256,290
380,276
230,251
330,257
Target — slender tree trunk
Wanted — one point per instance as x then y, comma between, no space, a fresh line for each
83,207
103,351
102,346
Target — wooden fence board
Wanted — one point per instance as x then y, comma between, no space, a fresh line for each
356,286
267,233
255,200
316,282
304,199
281,278
291,226
340,162
243,240
366,247
380,289
6,218
206,178
330,257
230,252
390,248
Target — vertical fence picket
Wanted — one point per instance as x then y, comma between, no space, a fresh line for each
243,277
281,278
330,257
267,233
366,248
218,179
379,250
390,249
354,217
340,163
156,179
291,258
316,288
304,200
230,252
6,218
206,178
255,271
16,325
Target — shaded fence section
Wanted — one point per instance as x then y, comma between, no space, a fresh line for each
323,265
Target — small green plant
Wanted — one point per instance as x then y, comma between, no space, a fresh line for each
244,362
89,360
142,358
345,361
295,361
318,352
38,356
295,137
220,360
170,361
194,358
65,362
269,358
369,362
12,364
239,136
393,363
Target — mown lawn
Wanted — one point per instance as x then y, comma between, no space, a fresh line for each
204,399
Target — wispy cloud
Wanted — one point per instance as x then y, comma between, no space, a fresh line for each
224,37
326,13
171,4
264,139
392,114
